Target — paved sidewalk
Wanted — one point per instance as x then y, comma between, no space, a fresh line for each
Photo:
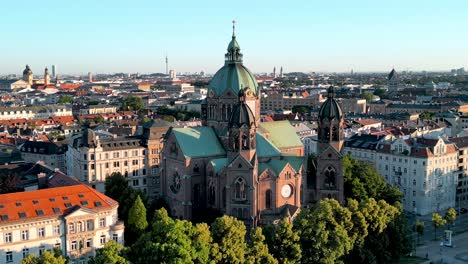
458,254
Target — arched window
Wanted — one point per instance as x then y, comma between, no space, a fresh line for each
245,142
326,133
268,199
335,133
79,227
239,191
211,194
330,177
224,197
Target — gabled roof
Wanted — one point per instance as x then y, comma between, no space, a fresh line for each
282,134
198,142
218,164
277,165
265,148
51,202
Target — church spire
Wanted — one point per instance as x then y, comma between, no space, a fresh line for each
233,54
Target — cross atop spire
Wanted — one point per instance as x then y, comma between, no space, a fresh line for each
233,28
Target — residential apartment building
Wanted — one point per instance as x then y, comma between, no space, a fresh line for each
92,159
275,101
34,112
462,173
77,219
354,105
153,135
98,109
51,153
425,170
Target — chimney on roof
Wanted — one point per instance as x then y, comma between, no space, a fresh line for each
41,179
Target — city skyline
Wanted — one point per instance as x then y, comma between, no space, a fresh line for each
114,37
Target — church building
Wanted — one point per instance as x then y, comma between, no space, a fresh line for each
234,163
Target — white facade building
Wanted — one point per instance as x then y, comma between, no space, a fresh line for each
34,112
92,159
77,219
425,170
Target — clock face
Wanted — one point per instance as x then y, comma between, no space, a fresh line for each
286,191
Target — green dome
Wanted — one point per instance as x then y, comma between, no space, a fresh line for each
233,76
330,109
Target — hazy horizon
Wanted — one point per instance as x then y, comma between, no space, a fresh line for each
302,36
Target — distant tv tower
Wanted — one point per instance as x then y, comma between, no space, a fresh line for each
167,65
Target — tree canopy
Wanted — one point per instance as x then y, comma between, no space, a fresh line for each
133,103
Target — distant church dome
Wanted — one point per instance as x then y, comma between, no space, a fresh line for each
330,109
27,70
241,114
233,75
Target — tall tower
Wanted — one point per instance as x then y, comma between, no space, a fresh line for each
393,81
54,71
274,72
329,164
224,88
90,77
167,65
281,72
28,75
46,77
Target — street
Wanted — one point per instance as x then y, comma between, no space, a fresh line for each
458,254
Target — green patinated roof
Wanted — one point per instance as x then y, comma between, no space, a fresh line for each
277,165
198,142
233,44
265,148
233,76
282,134
218,164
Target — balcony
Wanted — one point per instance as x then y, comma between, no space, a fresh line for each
119,225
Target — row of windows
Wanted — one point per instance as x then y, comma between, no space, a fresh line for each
116,164
115,155
80,226
25,235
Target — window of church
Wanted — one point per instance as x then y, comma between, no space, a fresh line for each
239,191
330,179
268,199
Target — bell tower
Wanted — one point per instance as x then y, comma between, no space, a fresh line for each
328,182
241,130
330,123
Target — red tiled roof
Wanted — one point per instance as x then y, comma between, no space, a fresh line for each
366,122
64,199
70,85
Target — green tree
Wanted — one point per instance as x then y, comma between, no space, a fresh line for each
283,242
133,103
172,241
419,228
47,257
111,253
136,223
324,232
257,250
450,216
362,181
64,99
437,222
115,185
368,96
98,119
228,240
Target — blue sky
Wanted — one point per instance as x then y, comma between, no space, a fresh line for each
310,35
